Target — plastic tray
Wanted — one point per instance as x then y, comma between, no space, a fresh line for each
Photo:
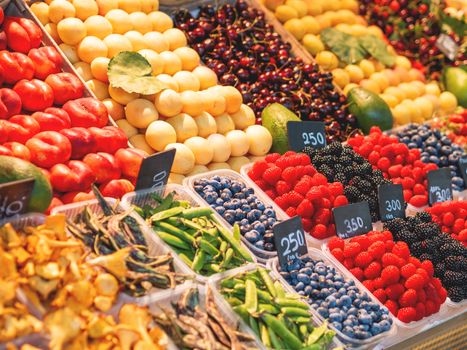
261,254
214,283
316,254
164,299
155,247
435,319
142,198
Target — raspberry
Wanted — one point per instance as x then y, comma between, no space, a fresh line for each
283,162
272,157
304,185
272,175
395,171
348,263
420,309
387,235
271,193
309,170
436,283
313,193
363,259
351,249
291,211
389,245
409,298
362,240
418,200
340,201
407,314
331,230
319,231
289,175
281,202
430,308
443,294
377,249
295,159
415,282
408,270
392,306
380,294
259,167
336,242
336,188
414,261
427,265
320,179
261,184
419,189
424,275
293,198
421,296
383,164
307,224
338,254
390,274
373,270
390,259
373,157
369,285
305,209
357,272
323,216
408,183
282,187
401,249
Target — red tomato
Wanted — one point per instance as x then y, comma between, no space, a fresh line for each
71,176
66,87
109,139
4,130
87,112
104,166
116,188
129,160
16,66
22,34
35,94
10,103
52,119
49,148
3,40
82,142
18,150
47,61
22,128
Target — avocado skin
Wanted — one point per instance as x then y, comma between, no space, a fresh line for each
455,80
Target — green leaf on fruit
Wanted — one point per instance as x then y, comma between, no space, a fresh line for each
378,49
457,25
344,45
132,72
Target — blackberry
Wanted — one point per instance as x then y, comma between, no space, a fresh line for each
396,226
431,246
341,178
456,263
452,278
334,148
352,193
440,270
378,173
367,168
346,161
424,216
424,256
327,171
310,151
339,169
452,248
456,294
407,236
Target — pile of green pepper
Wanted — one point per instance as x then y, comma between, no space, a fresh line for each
279,319
195,235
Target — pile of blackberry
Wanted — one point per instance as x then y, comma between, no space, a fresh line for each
427,242
341,163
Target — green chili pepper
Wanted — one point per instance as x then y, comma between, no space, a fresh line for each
185,259
290,340
284,302
199,261
234,301
264,335
294,312
305,320
242,312
236,232
280,291
233,243
196,213
228,256
172,240
166,214
208,247
223,247
303,330
317,333
168,228
276,342
254,325
267,281
251,296
268,308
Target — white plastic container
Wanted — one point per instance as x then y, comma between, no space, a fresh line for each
155,246
261,254
316,254
433,319
165,298
142,198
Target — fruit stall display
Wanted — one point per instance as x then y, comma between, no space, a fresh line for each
90,88
153,84
358,55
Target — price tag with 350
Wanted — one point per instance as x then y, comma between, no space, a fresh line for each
352,219
290,240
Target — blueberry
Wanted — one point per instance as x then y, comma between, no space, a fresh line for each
269,246
260,244
237,186
303,278
331,301
348,331
337,325
365,319
385,325
308,290
314,284
260,205
323,312
259,227
220,210
210,197
252,236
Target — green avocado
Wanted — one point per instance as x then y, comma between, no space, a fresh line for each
274,118
369,109
13,169
455,81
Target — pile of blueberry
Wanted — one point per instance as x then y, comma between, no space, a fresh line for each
435,148
238,204
337,299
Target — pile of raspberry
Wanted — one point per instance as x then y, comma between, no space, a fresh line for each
397,162
452,217
403,283
296,187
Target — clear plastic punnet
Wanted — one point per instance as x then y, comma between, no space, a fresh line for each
261,254
142,198
433,319
163,300
155,245
316,254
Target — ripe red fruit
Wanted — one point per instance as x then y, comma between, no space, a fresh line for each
390,274
407,314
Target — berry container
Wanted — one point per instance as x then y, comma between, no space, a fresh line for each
244,171
316,254
155,244
142,198
157,302
432,320
261,254
215,282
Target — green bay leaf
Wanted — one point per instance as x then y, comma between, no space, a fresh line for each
346,47
378,49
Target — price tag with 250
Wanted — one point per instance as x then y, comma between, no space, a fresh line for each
289,237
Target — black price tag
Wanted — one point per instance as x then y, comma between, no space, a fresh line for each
14,197
308,133
352,219
290,240
463,169
439,185
447,46
391,201
155,171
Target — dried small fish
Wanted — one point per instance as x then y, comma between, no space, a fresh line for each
192,327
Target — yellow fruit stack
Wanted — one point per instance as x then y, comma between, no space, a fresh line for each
206,123
402,87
